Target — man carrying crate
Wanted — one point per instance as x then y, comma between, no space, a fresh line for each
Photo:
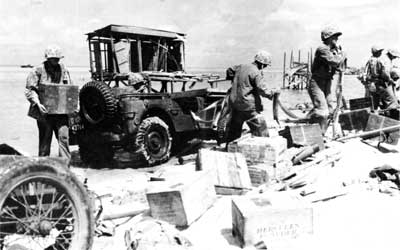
51,71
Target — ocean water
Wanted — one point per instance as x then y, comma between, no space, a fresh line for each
20,131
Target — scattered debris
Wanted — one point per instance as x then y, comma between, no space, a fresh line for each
155,235
183,200
229,169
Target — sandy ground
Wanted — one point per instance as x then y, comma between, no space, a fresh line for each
361,220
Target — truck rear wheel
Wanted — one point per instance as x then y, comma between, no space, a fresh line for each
97,102
43,204
154,140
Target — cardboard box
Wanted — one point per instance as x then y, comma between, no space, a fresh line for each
304,135
59,98
260,149
275,222
183,201
229,169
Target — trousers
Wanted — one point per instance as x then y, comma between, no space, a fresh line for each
59,125
387,97
255,121
319,91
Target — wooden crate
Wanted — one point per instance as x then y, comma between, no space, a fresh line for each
229,169
260,149
303,135
258,175
258,218
362,103
378,121
59,98
354,120
183,201
276,171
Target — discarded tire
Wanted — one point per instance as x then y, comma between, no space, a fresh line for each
42,203
97,102
153,140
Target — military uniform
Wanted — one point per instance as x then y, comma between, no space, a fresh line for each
49,123
248,86
325,63
385,85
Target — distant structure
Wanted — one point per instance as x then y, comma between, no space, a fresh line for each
298,73
26,66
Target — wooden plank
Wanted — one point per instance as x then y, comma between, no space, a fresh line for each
139,52
259,218
142,31
184,200
122,52
59,98
229,169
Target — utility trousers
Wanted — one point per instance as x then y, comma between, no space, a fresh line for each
255,121
59,125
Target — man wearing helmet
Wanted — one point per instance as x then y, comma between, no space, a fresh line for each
327,60
386,84
50,71
248,86
372,74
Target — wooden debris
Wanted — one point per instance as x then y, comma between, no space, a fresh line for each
258,175
183,201
303,135
154,234
354,120
229,169
260,149
380,122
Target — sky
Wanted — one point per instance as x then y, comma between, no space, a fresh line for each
220,33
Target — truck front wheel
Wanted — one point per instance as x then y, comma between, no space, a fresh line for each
153,140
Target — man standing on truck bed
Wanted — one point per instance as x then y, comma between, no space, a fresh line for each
328,58
50,71
248,86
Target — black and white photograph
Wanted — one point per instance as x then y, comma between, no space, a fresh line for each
199,125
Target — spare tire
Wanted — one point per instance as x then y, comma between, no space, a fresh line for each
97,102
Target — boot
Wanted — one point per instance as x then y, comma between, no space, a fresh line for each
323,123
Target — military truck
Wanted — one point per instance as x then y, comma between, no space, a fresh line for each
140,98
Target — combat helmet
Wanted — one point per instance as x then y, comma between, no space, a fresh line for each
263,57
329,32
53,51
